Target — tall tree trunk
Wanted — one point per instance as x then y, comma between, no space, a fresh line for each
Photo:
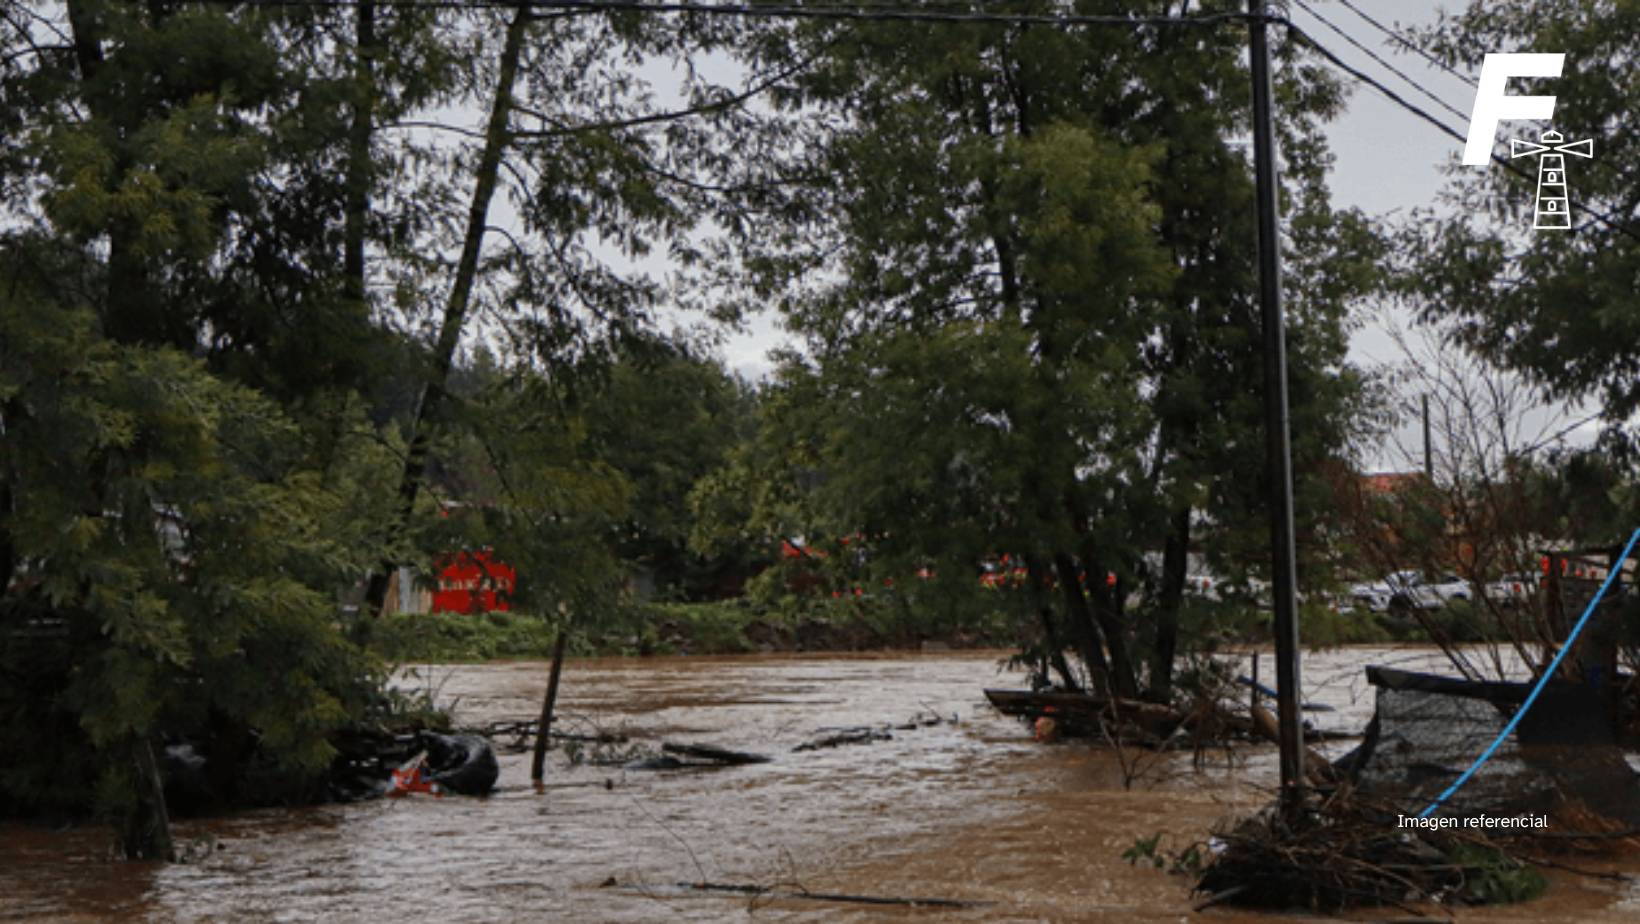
132,312
1175,566
1091,623
128,316
146,832
1039,575
356,204
1105,607
496,135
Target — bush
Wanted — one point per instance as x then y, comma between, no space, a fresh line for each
792,622
1460,621
1206,623
454,637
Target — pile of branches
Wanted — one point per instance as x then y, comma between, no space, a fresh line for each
1343,853
518,736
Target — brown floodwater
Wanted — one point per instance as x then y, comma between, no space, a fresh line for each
970,809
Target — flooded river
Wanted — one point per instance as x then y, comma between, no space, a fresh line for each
969,810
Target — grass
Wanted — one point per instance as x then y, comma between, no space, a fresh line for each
820,624
721,627
405,638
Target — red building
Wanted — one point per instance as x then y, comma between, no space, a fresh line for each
472,582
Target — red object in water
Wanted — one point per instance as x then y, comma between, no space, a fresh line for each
412,778
471,582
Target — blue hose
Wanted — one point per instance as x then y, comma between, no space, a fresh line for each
1541,682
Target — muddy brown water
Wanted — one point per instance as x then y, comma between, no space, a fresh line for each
969,810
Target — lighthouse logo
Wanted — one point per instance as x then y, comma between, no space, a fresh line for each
1493,105
1553,205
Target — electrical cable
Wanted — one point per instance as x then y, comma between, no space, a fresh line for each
890,14
1407,43
850,12
1542,681
1424,114
1378,58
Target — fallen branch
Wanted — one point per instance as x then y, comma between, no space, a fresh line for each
862,735
1217,897
716,755
765,892
1342,852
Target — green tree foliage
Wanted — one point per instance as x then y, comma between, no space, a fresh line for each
1559,307
180,485
518,472
221,232
666,420
170,564
610,449
1027,303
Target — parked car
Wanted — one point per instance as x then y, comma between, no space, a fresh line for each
1411,590
1513,588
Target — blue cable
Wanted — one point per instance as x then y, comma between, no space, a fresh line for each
1542,681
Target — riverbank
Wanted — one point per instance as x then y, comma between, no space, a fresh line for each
843,624
728,627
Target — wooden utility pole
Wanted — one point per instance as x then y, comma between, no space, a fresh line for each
1429,455
1278,444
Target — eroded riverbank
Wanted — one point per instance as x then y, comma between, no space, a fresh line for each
968,810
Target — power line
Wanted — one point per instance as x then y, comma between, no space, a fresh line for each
1407,43
853,12
1598,164
883,13
1378,58
1424,114
866,13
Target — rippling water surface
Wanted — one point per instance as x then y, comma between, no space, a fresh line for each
969,809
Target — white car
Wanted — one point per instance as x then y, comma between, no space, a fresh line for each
1513,588
1411,589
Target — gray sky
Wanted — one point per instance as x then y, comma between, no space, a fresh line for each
1389,161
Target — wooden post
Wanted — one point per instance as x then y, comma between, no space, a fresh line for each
1253,700
544,727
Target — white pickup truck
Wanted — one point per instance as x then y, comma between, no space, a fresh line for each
1411,589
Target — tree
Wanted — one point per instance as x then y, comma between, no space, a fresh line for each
573,137
1043,337
169,565
666,420
1504,487
178,506
517,470
1558,307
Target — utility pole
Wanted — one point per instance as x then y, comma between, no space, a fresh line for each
1278,443
1429,457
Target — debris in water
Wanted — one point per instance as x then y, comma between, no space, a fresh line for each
1345,853
693,756
860,735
